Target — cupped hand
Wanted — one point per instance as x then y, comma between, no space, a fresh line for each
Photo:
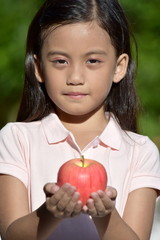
62,201
101,203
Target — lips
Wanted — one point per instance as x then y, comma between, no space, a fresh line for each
75,95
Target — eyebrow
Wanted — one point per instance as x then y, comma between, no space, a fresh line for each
52,53
97,52
100,52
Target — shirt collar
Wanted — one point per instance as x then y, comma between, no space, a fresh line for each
55,131
112,134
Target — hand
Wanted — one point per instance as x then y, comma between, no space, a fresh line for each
101,203
62,202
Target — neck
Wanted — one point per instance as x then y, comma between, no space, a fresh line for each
85,127
96,121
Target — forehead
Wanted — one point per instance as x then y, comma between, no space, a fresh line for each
87,35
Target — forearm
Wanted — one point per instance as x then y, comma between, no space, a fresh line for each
113,227
35,226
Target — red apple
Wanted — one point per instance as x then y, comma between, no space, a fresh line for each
85,174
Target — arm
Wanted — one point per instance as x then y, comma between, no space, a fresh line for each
139,211
137,221
16,222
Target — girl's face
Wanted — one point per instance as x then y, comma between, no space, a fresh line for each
79,65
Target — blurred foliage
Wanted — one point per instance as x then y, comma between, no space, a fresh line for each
144,16
15,18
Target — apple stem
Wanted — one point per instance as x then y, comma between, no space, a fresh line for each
83,161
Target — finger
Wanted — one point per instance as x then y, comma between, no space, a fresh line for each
58,195
72,204
66,198
111,192
108,203
77,209
98,203
91,208
58,202
74,207
50,189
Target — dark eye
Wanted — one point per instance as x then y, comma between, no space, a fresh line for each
60,61
93,61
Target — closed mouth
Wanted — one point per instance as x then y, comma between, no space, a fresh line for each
75,95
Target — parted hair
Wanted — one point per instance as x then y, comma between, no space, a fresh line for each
121,101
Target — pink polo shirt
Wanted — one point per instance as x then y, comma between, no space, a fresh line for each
33,152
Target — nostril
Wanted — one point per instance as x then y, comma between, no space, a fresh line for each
77,80
74,83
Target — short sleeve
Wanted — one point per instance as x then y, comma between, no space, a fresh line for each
13,153
147,166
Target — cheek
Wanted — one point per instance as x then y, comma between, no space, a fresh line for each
103,91
102,84
52,81
51,86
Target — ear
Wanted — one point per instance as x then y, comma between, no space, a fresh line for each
121,67
38,72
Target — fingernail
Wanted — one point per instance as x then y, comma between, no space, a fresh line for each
94,194
109,193
66,185
100,193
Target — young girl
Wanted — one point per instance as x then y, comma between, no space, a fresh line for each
79,99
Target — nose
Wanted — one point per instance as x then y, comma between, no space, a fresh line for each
75,75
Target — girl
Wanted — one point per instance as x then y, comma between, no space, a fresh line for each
78,99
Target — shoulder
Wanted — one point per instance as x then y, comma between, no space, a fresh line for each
17,136
144,151
48,128
130,139
145,160
139,145
18,128
21,133
141,142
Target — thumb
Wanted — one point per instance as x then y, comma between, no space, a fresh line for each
50,188
111,192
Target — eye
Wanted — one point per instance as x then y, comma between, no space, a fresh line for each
93,61
60,61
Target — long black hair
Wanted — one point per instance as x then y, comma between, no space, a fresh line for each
121,101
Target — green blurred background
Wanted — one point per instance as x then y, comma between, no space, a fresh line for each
144,15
